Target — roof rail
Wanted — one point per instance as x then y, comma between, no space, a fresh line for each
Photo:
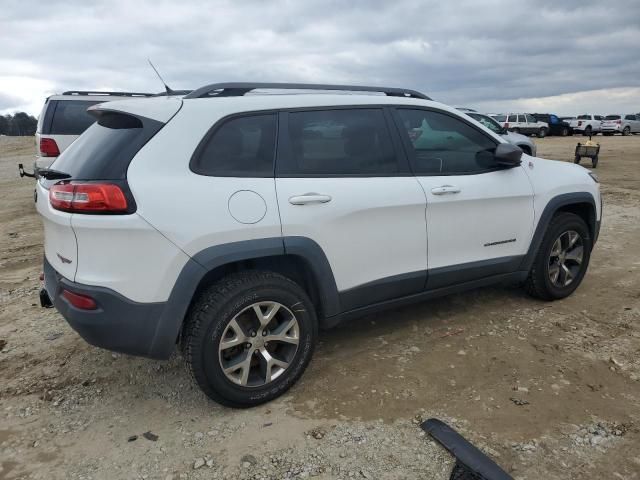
239,89
115,94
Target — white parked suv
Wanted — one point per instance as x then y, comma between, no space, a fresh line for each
587,124
64,117
523,123
623,124
234,224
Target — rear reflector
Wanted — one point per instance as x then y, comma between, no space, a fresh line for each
88,198
49,147
82,302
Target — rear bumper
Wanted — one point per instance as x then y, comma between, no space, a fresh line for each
614,129
118,324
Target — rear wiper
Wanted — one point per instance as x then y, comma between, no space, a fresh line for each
51,174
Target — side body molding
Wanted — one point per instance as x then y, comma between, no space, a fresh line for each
549,210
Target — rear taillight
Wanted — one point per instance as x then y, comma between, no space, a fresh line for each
83,302
506,125
618,122
88,198
49,147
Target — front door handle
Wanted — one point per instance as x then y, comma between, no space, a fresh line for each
308,198
444,189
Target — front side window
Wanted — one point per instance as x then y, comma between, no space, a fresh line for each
443,144
500,118
240,147
340,142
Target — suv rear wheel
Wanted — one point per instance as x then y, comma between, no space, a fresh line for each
587,131
561,260
249,337
542,132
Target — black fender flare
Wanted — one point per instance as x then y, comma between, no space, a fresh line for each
549,211
175,309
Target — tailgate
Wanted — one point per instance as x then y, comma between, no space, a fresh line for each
60,245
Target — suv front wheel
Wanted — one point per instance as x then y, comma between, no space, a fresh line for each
249,337
562,259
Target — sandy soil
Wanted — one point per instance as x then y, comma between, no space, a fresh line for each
550,390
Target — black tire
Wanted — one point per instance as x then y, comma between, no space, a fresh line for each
626,131
538,283
515,130
212,312
594,162
577,159
564,132
542,132
587,131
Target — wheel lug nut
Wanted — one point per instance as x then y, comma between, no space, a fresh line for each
253,333
264,333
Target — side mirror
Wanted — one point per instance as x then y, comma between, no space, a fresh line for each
508,155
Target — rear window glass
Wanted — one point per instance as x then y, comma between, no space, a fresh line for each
105,149
71,117
584,117
500,118
240,147
612,117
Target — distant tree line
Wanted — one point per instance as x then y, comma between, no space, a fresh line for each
18,124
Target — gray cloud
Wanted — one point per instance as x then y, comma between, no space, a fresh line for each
463,52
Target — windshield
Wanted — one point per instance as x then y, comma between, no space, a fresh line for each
487,121
500,118
612,117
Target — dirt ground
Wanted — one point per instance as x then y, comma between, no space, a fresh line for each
550,390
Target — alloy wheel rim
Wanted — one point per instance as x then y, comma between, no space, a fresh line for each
565,259
259,344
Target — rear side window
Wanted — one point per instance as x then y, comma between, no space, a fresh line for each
630,117
530,118
340,142
512,118
584,117
612,117
240,147
71,117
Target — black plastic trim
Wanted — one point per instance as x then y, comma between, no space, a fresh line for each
466,454
549,211
383,289
466,272
505,278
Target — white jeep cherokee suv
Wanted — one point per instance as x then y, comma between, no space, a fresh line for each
236,225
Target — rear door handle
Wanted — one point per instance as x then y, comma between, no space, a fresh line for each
444,189
308,198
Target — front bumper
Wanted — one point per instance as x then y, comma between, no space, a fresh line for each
117,324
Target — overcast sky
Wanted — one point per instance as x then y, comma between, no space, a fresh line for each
567,57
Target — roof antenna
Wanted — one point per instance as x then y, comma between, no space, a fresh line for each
166,87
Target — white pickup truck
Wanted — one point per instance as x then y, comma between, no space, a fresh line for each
587,124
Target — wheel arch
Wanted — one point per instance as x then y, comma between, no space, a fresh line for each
298,258
579,203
